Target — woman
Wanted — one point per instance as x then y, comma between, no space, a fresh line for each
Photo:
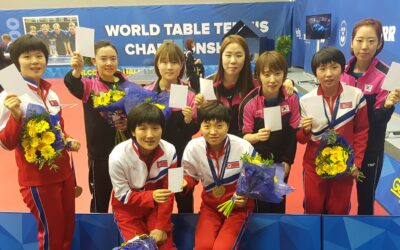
367,73
169,66
46,184
271,71
343,109
100,135
233,80
192,65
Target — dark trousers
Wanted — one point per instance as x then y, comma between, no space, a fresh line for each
371,168
100,185
184,202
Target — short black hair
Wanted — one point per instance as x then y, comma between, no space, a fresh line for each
213,110
25,44
327,55
104,43
145,113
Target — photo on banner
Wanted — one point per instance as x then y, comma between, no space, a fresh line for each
57,32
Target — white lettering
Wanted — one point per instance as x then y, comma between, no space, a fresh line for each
389,33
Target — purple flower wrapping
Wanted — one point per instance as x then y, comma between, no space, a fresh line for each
257,182
141,243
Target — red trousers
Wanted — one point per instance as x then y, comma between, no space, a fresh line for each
215,231
327,196
53,207
130,226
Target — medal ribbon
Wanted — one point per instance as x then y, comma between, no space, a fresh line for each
218,180
335,111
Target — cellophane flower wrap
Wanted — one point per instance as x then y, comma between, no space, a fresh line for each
335,156
140,242
160,100
111,105
42,138
260,179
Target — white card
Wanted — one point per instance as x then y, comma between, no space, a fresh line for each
392,79
178,96
84,40
207,89
273,118
175,179
313,107
13,82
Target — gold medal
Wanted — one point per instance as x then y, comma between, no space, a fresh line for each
218,191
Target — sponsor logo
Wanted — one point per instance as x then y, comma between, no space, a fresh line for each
162,164
298,33
396,187
389,33
234,164
342,33
345,105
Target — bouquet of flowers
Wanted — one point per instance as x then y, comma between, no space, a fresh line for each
42,138
335,157
140,242
111,105
160,100
260,179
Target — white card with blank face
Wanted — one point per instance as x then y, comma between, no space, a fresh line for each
13,82
273,118
175,179
313,107
392,79
207,89
84,40
178,96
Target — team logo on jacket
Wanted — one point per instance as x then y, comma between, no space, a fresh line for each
234,164
162,164
368,88
346,105
54,103
285,109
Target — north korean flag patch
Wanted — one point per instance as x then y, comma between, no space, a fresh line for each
54,103
346,105
162,164
234,164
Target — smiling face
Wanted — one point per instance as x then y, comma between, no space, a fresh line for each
148,136
365,44
169,69
106,62
233,58
32,64
214,132
271,81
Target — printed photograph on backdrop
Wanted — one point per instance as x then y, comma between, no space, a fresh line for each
57,32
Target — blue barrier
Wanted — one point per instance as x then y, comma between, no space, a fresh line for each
99,231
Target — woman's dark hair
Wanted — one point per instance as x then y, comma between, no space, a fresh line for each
213,110
245,79
373,23
25,44
274,61
104,43
327,55
145,113
188,43
169,50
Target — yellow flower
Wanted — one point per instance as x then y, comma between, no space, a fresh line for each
32,128
25,143
96,100
34,142
48,152
42,126
48,137
30,155
341,167
117,95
